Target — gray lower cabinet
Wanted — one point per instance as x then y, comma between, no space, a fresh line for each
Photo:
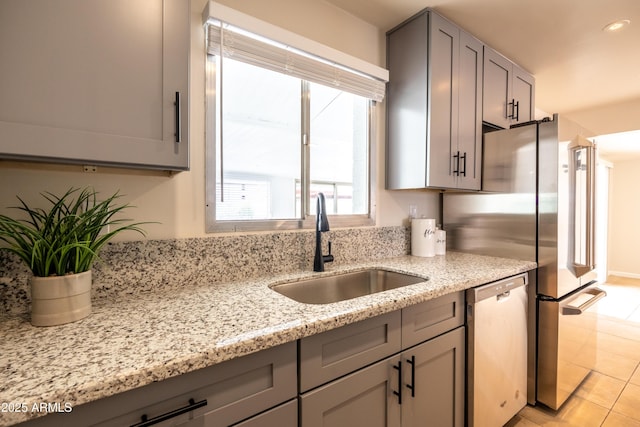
96,82
421,379
245,390
421,386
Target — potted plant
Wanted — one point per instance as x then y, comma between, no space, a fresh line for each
60,245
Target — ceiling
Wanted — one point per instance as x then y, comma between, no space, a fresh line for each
576,64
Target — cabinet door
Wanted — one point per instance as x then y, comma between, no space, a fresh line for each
407,60
95,82
496,88
364,398
524,94
470,112
442,160
438,380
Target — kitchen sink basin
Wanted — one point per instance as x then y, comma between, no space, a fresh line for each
340,287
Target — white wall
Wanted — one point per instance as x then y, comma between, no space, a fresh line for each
624,223
177,201
613,118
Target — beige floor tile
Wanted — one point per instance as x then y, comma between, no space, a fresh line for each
618,420
614,365
541,416
621,301
617,345
635,378
575,412
519,421
618,327
629,402
600,389
635,316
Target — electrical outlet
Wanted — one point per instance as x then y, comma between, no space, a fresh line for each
90,168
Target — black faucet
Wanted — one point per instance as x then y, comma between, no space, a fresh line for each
322,225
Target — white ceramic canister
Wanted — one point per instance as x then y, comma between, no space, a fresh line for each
423,237
441,242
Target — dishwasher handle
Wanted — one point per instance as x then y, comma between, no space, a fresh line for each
597,295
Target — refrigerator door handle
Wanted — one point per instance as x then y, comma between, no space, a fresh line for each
597,295
582,179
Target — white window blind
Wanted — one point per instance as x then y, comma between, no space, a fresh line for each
230,41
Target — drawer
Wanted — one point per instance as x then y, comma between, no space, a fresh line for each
285,415
331,354
233,390
431,318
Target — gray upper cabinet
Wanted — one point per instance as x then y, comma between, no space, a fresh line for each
509,91
95,82
434,105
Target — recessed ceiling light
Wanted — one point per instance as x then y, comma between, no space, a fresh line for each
616,25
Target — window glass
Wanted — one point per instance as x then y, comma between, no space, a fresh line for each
279,141
339,154
260,153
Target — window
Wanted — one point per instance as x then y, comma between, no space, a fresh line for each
276,137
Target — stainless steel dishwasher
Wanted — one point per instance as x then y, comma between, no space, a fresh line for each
497,351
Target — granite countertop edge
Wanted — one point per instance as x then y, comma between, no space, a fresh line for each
138,339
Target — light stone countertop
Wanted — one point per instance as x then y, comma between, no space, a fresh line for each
136,339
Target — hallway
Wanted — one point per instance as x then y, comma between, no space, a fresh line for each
610,395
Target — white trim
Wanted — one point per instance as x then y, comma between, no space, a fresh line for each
624,274
224,13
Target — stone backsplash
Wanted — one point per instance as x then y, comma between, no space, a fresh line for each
142,266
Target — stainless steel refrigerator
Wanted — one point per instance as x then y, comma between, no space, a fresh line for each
537,203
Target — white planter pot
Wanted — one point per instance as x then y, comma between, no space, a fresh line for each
56,300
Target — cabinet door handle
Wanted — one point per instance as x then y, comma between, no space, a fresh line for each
155,420
517,108
399,392
456,171
178,118
511,104
412,386
464,164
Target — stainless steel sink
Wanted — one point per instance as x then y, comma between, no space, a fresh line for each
324,290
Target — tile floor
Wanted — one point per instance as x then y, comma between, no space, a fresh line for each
610,395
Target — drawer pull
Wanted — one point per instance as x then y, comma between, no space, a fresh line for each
155,420
399,392
178,117
412,386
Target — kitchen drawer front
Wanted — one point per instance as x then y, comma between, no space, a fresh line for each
234,391
331,354
431,318
285,415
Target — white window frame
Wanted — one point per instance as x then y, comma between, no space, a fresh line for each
212,133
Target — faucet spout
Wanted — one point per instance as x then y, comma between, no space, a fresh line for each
322,225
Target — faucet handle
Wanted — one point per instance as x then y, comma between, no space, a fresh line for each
329,244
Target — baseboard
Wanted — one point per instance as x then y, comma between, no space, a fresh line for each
624,274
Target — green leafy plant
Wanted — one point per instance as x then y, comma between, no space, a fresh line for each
66,237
